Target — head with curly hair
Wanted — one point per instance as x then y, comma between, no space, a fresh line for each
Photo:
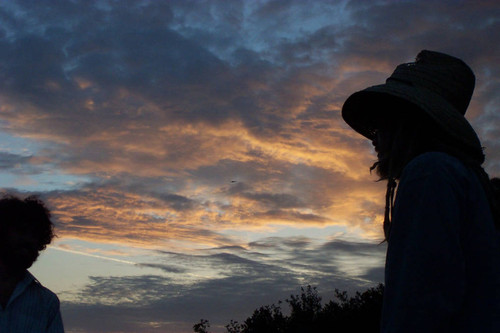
25,230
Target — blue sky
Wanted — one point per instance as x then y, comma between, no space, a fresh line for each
193,153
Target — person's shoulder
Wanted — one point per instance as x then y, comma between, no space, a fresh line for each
436,158
47,295
434,164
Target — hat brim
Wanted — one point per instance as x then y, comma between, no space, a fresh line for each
365,110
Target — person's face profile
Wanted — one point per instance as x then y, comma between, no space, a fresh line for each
383,142
19,248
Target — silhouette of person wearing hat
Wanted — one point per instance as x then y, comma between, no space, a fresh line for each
442,270
25,305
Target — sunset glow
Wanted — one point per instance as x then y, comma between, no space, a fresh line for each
193,154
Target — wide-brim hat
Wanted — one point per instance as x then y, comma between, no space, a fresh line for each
436,83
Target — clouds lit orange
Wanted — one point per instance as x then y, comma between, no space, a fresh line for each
193,153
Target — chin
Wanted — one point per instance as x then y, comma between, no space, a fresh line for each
382,169
20,261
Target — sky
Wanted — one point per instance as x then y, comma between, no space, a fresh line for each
193,154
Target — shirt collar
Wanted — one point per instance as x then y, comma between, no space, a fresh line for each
21,287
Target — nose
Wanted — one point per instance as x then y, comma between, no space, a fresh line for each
375,140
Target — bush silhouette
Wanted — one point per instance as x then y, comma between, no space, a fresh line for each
202,326
360,313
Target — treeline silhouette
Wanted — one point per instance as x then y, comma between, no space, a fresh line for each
360,313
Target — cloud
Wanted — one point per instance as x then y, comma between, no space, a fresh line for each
13,161
166,268
169,103
188,121
142,97
235,275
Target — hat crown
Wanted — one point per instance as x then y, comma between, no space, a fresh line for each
438,84
444,75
